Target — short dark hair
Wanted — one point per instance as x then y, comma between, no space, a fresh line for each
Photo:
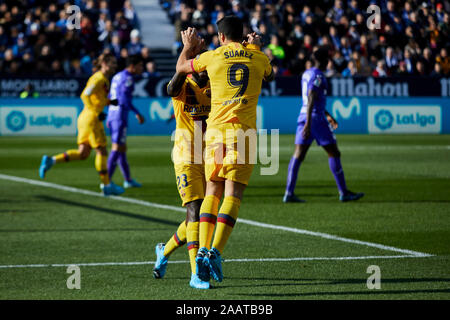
321,55
134,60
232,27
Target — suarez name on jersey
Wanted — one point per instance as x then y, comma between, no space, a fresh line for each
236,73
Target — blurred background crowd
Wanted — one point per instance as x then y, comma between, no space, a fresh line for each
36,37
413,37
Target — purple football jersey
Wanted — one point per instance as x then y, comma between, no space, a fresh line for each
122,86
314,79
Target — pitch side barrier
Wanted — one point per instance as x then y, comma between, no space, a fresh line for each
356,115
155,87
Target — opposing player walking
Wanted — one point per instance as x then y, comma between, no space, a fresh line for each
315,123
122,86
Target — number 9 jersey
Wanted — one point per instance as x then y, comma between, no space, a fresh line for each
236,86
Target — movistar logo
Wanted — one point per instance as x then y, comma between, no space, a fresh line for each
384,119
345,112
159,111
16,121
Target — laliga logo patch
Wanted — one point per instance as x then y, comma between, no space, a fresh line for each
16,121
384,119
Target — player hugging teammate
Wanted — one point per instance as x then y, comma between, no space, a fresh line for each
236,70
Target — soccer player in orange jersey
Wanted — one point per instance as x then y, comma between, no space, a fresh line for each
236,71
191,99
91,133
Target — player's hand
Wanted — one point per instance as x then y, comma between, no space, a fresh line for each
306,133
140,118
101,116
172,117
253,38
201,46
333,122
190,39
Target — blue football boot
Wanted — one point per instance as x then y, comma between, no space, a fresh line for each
161,262
292,198
350,196
46,164
111,189
196,283
131,184
214,262
202,269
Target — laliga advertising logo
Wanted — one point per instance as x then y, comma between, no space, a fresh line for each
384,119
16,121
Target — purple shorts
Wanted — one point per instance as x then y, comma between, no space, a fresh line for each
118,132
320,131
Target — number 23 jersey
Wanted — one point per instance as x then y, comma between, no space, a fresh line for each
236,73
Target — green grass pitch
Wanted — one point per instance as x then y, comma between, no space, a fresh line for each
407,207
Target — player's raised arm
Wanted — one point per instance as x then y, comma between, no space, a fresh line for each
191,41
176,84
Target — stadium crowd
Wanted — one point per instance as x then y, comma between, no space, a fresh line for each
413,37
37,38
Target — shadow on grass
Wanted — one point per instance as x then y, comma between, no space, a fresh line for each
280,195
345,293
322,282
107,210
80,230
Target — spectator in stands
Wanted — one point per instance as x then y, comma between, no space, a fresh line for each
214,43
437,71
409,61
275,47
351,70
420,68
145,54
37,32
150,70
428,60
401,71
380,70
134,46
444,61
391,61
346,49
335,38
336,13
339,61
238,10
200,18
329,72
115,46
130,14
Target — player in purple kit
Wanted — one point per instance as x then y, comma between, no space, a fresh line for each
122,86
315,123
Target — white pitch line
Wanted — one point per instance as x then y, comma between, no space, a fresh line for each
332,237
101,264
245,221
